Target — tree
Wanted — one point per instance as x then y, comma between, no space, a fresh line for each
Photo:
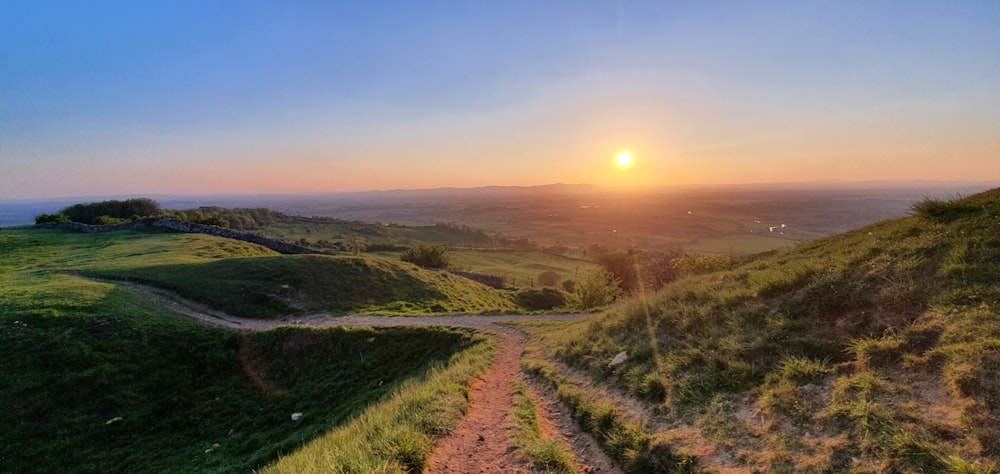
430,256
600,288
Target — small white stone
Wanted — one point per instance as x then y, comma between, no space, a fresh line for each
619,359
296,416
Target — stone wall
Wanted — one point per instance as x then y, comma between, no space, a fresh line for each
181,226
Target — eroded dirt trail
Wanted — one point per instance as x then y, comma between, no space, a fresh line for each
482,442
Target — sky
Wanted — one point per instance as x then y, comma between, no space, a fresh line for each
219,97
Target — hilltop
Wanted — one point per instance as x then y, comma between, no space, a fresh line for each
876,350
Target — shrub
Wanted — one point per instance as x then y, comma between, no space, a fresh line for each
430,256
108,220
569,286
622,265
599,289
544,299
47,218
549,278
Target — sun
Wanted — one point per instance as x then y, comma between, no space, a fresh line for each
625,159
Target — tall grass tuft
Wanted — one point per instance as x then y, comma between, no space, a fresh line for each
545,455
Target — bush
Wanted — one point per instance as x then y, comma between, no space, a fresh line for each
108,220
622,265
538,300
599,289
569,286
430,256
549,278
47,218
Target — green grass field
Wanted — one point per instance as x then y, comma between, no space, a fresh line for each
96,379
520,268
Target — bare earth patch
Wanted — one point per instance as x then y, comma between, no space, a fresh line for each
482,441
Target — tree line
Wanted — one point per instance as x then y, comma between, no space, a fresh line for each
117,212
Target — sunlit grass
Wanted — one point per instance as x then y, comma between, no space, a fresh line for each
545,455
849,349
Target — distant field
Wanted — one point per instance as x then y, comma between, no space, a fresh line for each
518,267
312,230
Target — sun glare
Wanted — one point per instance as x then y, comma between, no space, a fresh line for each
624,159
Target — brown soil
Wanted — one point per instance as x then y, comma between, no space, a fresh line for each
482,441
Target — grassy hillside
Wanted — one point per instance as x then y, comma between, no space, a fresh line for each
95,379
877,350
268,287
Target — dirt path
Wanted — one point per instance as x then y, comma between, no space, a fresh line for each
482,441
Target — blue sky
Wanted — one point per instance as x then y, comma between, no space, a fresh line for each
109,97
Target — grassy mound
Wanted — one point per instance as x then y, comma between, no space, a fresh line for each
267,287
95,379
874,350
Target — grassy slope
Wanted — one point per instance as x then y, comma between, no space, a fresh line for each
877,349
96,380
268,287
240,277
